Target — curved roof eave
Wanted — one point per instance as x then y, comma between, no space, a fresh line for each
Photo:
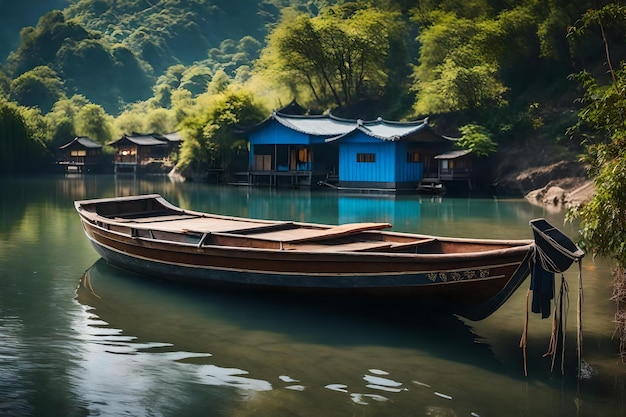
335,128
457,153
139,141
84,141
282,119
285,121
420,127
364,130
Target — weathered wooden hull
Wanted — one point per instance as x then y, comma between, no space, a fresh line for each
473,285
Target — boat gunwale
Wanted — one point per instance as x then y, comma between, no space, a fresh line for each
516,246
79,207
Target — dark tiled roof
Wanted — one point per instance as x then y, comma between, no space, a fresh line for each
172,137
140,140
84,141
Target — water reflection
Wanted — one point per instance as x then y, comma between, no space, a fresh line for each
282,355
114,293
241,342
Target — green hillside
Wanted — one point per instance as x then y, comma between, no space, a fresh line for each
124,46
18,14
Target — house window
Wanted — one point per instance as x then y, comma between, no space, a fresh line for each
412,156
447,164
78,152
366,157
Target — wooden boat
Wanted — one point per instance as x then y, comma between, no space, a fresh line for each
148,235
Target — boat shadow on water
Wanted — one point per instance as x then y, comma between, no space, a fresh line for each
159,311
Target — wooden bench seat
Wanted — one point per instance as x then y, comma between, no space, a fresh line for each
309,234
263,228
412,244
156,219
341,247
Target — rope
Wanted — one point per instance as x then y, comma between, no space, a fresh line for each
546,262
579,321
571,255
561,307
559,325
564,304
524,339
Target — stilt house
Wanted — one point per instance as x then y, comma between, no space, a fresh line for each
80,155
287,149
133,151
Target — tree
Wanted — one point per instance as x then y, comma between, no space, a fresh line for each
131,120
61,120
92,121
603,219
86,60
219,83
209,135
182,104
39,45
92,63
474,55
166,84
477,139
196,79
456,71
160,120
20,149
339,56
40,87
462,82
5,82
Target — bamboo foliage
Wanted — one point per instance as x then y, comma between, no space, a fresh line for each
603,219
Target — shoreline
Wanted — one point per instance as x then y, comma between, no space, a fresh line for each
563,197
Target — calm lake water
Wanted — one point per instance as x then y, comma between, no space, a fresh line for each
80,338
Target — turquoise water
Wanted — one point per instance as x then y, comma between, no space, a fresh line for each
78,337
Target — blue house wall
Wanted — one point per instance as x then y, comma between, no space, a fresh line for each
390,165
381,170
276,134
406,171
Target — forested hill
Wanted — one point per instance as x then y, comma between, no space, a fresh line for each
126,45
15,15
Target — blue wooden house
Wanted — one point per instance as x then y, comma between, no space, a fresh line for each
287,149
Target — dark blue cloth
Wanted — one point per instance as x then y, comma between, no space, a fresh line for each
542,285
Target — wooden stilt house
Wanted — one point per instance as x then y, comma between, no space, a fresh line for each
80,155
456,166
133,151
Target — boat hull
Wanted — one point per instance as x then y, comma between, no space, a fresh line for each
471,286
